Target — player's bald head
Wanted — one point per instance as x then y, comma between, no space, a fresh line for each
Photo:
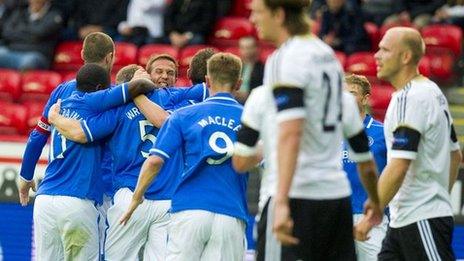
409,39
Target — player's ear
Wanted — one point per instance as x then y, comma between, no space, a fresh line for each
208,81
238,84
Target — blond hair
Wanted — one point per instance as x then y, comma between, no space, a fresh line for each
224,69
360,81
126,73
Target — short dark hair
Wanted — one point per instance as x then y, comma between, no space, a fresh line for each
198,69
163,56
92,77
296,18
126,73
224,69
96,47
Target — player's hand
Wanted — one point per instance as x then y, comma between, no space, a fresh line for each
132,207
141,74
54,111
24,187
373,213
361,229
283,223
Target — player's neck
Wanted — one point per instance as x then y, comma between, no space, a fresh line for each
219,89
281,38
404,77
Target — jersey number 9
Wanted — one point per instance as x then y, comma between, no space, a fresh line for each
226,151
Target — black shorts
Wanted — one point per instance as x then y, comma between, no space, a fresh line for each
428,239
324,228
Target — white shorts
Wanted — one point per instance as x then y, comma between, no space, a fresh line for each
65,228
147,227
369,249
203,235
102,222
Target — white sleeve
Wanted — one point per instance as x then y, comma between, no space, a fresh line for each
252,114
412,112
454,143
351,119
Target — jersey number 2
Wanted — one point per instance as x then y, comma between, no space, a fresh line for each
332,108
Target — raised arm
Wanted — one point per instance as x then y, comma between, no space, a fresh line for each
70,128
152,111
137,87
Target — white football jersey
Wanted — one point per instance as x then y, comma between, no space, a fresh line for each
308,63
259,113
420,106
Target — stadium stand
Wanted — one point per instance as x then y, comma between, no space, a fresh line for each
146,51
12,119
68,56
126,53
10,85
229,30
37,85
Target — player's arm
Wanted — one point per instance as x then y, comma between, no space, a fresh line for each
197,93
455,158
35,144
70,128
152,111
246,153
391,179
149,171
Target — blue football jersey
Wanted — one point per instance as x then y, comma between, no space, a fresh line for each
75,169
205,133
130,153
374,131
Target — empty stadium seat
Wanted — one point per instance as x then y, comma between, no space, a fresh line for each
10,85
146,51
441,65
241,8
373,33
228,30
37,85
126,53
341,57
379,100
362,63
439,38
68,56
12,119
33,113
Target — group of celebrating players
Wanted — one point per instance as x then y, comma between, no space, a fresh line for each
142,166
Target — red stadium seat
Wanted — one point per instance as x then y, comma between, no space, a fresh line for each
233,50
126,53
37,85
241,8
183,82
441,65
68,76
341,57
229,30
12,119
440,38
33,113
424,66
362,63
379,100
146,51
373,33
10,85
68,56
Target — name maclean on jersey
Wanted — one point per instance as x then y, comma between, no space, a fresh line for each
221,121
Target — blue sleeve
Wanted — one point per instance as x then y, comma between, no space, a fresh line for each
54,96
196,93
99,126
104,100
34,146
381,154
169,138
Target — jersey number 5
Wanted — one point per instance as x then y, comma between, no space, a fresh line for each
225,151
144,136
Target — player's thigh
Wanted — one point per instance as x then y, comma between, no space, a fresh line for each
123,242
79,228
369,249
47,236
188,232
227,241
262,228
341,235
428,239
156,246
390,250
